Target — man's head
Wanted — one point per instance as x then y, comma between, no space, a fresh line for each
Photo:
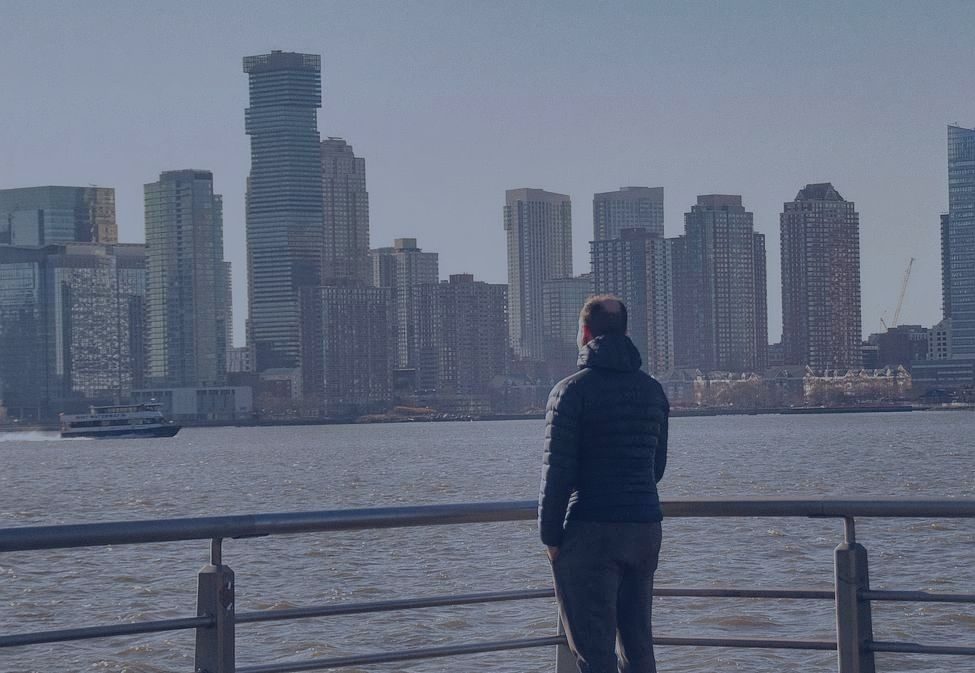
602,314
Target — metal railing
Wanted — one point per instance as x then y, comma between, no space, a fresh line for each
216,618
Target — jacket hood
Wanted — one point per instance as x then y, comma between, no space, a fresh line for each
610,351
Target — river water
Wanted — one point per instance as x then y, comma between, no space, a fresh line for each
44,480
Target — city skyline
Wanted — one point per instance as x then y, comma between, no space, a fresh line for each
900,128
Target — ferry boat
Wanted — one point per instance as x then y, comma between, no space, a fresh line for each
126,420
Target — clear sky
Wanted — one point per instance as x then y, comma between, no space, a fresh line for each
453,102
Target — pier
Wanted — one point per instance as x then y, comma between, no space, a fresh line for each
216,619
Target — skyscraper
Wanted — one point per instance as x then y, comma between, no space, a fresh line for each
401,268
348,349
284,200
627,208
346,213
539,233
820,243
48,215
945,266
23,356
721,315
637,267
95,302
71,326
187,281
959,244
562,300
462,332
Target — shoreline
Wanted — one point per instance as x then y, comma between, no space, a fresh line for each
675,413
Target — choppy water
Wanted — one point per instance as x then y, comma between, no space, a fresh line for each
244,470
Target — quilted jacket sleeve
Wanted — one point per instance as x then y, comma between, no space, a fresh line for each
660,458
560,462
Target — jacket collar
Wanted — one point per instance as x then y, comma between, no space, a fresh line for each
610,351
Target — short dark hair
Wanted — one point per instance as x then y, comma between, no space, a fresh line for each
604,314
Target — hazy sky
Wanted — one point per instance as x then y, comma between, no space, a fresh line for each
453,102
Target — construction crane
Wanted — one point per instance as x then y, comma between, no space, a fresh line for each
900,299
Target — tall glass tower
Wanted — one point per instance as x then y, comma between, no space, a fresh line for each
627,208
284,200
187,309
958,241
539,231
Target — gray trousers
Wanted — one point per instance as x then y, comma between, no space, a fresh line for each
604,584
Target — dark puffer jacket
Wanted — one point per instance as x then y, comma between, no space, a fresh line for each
605,441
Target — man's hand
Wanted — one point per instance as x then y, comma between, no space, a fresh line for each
553,553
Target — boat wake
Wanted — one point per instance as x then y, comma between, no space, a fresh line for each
36,436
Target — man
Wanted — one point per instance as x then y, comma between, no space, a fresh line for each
599,513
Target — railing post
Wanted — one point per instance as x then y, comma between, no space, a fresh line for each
565,661
854,624
215,598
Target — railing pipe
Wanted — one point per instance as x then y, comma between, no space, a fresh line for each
340,609
106,631
916,597
255,525
915,648
403,655
216,620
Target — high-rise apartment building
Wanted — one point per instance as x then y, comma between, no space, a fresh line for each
33,216
820,243
187,310
96,304
401,268
959,242
284,200
720,299
346,212
462,335
71,326
562,301
348,349
637,267
627,208
539,233
945,266
228,301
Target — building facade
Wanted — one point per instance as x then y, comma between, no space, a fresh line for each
939,341
71,326
187,311
959,241
211,403
402,268
627,208
284,200
820,245
720,298
348,349
637,267
462,335
23,334
345,206
538,225
34,216
562,301
95,301
945,266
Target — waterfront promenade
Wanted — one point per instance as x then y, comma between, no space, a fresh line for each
207,472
